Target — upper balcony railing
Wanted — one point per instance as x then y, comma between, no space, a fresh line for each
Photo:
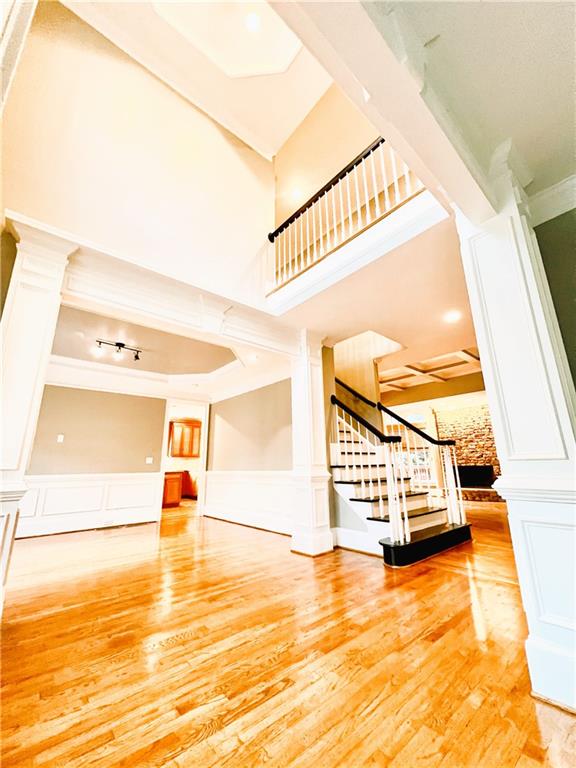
369,188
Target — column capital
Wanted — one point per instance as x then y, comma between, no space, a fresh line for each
43,252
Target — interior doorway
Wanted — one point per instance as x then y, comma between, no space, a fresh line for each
184,458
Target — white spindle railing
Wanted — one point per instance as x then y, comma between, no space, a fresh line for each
373,185
430,464
366,456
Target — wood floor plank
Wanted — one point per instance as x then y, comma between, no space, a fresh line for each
209,645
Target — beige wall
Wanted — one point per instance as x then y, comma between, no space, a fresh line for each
332,134
354,361
252,431
103,432
96,146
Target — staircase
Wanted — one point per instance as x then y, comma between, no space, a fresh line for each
401,482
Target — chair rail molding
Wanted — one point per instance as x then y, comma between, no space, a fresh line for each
533,405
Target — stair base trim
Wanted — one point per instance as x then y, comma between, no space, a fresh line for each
405,555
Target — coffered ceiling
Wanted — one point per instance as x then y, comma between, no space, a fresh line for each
432,370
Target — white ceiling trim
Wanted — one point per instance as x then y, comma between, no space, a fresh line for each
553,201
105,284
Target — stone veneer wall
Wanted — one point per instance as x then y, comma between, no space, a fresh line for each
471,427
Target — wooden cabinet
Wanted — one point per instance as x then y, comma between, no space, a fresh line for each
172,489
184,438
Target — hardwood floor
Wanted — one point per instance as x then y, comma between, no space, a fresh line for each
207,644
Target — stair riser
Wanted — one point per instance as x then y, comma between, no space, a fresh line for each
359,473
372,509
357,455
416,523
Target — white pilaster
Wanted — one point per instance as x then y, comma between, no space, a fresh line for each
312,534
27,332
533,406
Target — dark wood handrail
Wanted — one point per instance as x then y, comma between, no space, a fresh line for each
370,427
381,407
334,180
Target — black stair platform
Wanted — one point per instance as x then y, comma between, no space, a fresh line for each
418,512
423,544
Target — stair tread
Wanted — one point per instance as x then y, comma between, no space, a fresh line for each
367,480
418,512
383,497
428,533
347,466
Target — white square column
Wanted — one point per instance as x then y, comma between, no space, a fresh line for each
312,534
533,408
27,332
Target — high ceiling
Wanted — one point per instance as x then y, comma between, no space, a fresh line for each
236,61
403,295
77,332
505,70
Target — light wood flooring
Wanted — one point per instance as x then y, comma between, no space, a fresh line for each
210,645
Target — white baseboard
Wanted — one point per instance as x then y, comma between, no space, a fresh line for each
552,672
261,499
65,503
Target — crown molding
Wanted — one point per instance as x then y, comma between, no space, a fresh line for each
553,201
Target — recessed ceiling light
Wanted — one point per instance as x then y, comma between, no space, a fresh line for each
253,357
452,316
252,22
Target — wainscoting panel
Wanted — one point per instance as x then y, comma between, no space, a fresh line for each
64,503
262,499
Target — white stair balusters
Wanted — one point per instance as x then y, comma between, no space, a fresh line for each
370,187
364,458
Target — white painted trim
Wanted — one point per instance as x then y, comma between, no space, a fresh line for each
88,374
553,201
14,34
87,501
551,489
97,281
360,541
260,498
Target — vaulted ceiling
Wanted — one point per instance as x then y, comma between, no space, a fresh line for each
238,62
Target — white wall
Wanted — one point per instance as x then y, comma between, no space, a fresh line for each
96,146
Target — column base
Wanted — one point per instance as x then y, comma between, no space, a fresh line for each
552,673
10,496
312,542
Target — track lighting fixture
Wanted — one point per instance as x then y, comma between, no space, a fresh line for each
120,346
